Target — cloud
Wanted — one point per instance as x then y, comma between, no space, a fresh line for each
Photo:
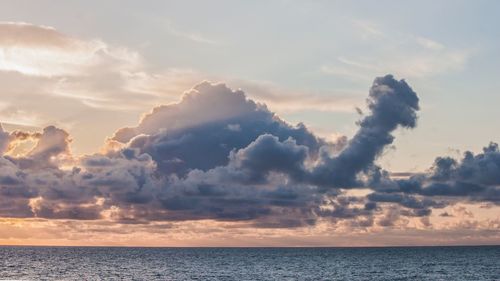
195,133
49,77
41,50
218,155
475,177
52,78
52,142
408,55
184,162
392,103
430,62
20,34
430,44
288,100
4,141
368,29
192,36
10,143
90,71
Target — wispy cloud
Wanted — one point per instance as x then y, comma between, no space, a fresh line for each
430,44
413,65
89,71
395,52
190,35
43,51
368,29
284,100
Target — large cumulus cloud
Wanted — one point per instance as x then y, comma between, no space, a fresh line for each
219,155
202,129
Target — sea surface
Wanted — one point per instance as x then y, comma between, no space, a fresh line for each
102,263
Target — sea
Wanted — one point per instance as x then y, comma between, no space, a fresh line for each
125,263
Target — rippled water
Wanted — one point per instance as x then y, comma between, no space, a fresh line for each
414,263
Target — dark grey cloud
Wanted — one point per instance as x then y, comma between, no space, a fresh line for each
476,177
278,169
418,206
392,103
219,155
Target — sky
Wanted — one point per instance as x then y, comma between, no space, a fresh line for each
249,123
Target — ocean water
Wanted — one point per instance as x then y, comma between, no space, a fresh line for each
102,263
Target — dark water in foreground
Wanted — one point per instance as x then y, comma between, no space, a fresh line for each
414,263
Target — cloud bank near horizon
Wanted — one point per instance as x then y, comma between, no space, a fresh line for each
221,156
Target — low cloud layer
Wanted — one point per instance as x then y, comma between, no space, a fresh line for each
218,155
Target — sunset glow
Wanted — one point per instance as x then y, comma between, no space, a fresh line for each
171,126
